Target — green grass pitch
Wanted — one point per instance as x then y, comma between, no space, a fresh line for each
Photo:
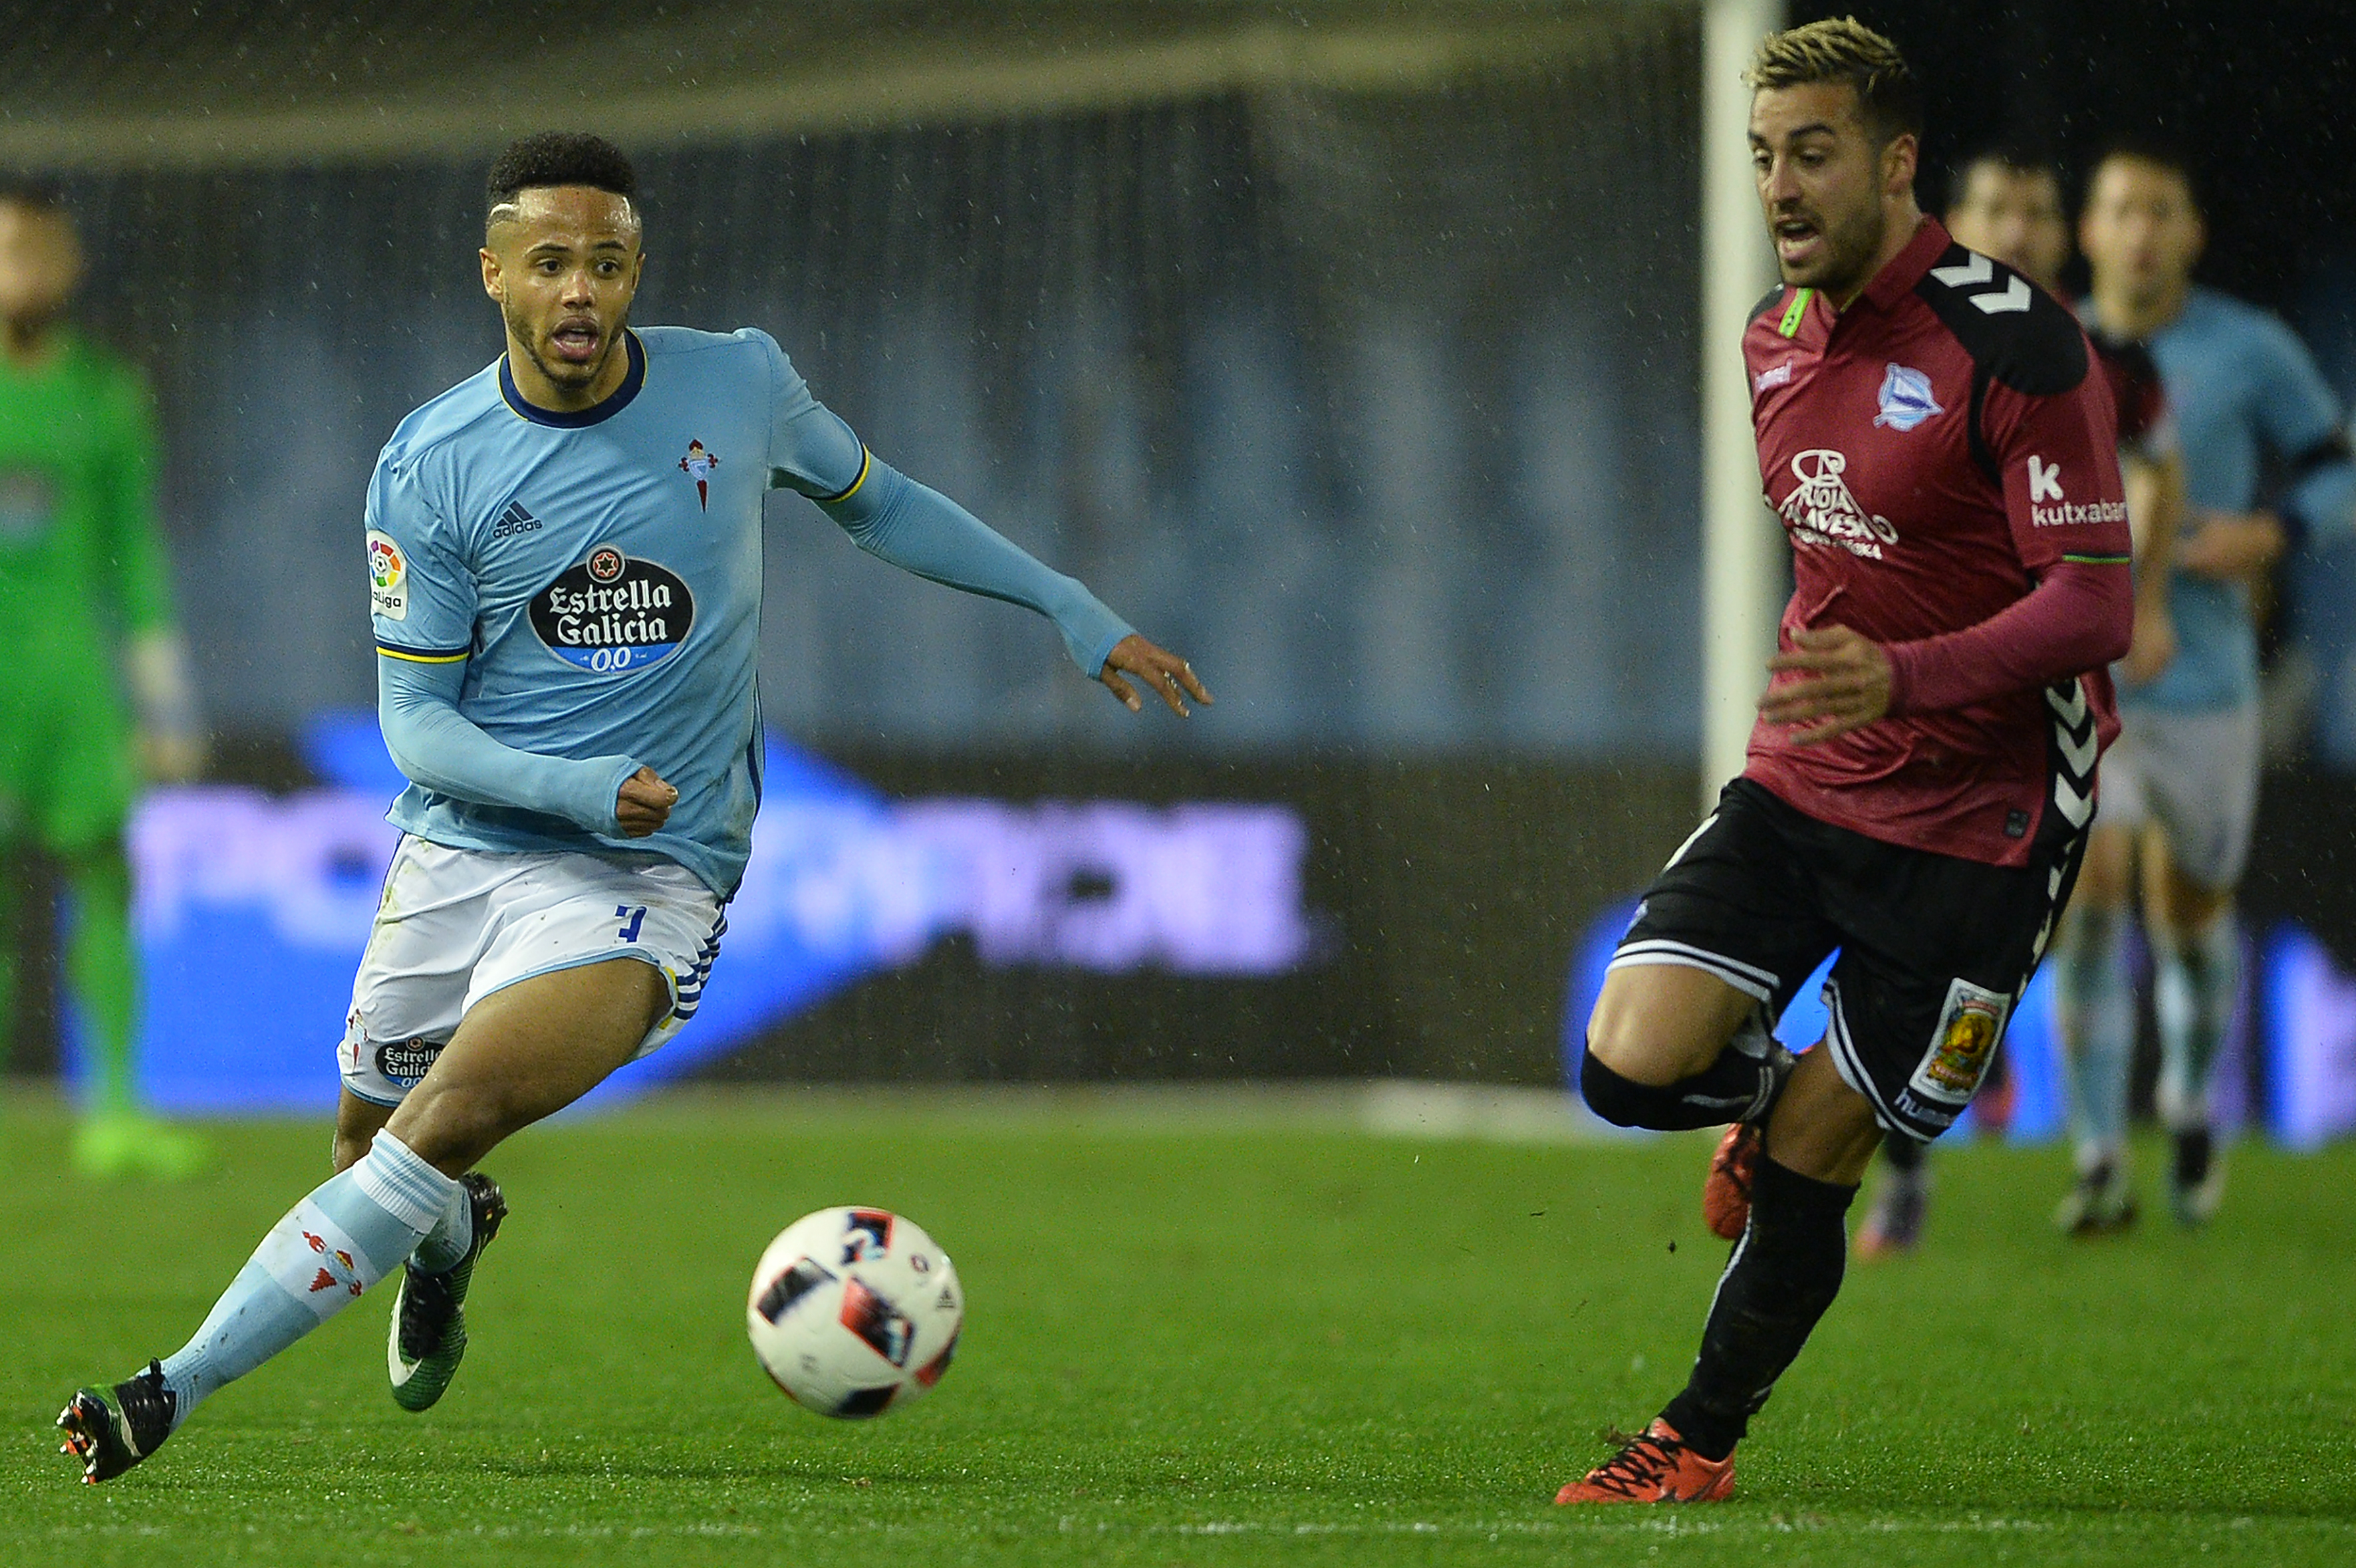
1202,1344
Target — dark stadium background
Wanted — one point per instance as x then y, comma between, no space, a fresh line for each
1495,749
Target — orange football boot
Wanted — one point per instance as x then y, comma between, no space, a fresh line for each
1726,1196
1654,1469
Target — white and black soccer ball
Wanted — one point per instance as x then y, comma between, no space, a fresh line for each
853,1311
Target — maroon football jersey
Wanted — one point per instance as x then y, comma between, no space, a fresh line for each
1931,450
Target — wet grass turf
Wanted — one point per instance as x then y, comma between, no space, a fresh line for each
1194,1347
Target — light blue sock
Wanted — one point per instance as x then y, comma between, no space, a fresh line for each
2097,1009
446,1243
2196,988
352,1231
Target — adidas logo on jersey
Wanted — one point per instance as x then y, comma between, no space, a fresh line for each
514,520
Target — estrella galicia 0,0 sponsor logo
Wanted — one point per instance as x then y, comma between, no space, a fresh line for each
611,614
406,1061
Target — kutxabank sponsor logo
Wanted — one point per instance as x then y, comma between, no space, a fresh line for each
2045,485
2071,513
611,614
1820,509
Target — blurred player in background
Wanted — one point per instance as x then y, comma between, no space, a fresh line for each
1942,451
2256,422
86,610
2007,206
564,567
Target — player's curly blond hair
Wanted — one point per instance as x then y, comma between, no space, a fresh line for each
1844,50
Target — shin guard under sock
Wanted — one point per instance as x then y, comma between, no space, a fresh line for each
1785,1273
2098,1017
351,1231
2197,985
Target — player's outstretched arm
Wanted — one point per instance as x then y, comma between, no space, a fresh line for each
434,746
919,530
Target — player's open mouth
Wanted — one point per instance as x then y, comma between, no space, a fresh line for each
1796,240
576,341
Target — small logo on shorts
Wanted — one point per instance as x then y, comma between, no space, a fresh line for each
2015,825
406,1061
1961,1047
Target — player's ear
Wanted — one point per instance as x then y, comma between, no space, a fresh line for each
493,284
1900,161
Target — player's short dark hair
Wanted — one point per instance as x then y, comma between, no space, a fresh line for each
33,194
2154,151
1844,50
2013,157
559,158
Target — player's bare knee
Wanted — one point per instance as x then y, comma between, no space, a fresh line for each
450,1127
1655,1025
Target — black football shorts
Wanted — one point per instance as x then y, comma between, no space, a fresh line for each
1935,951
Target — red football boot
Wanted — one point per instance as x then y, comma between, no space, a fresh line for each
1726,1196
1654,1469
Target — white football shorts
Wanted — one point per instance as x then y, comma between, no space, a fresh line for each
2195,774
455,925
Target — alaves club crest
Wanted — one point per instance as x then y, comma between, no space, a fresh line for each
1906,400
698,465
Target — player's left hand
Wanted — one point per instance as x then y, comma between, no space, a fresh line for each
2232,545
1163,673
1844,684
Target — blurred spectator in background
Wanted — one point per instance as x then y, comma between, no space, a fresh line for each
2266,463
86,612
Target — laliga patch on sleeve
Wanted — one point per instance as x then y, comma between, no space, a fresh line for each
387,576
1964,1044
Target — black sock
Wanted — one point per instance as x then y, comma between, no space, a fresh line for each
1734,1088
1785,1271
1904,1154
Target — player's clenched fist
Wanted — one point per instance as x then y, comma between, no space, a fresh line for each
1164,674
1844,684
644,804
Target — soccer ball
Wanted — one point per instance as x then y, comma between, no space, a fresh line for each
853,1311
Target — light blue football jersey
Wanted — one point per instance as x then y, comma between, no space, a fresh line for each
2258,426
599,574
